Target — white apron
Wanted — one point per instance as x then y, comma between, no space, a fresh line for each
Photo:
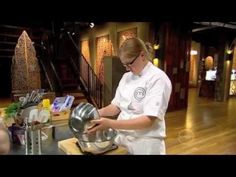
141,146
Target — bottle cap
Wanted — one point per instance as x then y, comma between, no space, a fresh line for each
46,103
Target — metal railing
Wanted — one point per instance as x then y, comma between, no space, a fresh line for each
49,68
46,74
88,78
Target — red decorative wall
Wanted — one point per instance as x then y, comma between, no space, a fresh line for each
123,35
85,50
104,48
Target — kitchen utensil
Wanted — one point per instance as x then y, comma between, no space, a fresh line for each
80,120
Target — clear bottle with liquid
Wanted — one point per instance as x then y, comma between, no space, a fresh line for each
45,116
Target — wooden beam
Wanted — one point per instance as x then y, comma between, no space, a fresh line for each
6,56
14,27
7,50
9,35
203,28
17,36
6,42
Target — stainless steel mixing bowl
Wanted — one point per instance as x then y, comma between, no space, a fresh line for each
79,121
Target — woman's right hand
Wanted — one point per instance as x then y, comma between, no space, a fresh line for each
100,124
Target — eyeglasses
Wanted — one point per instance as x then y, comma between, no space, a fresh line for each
130,63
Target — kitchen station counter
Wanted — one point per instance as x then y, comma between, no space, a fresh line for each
70,147
50,144
57,119
59,140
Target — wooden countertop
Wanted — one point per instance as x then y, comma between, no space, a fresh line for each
64,115
60,118
70,148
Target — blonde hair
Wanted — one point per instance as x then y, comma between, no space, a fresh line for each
133,46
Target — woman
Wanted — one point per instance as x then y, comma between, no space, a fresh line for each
141,100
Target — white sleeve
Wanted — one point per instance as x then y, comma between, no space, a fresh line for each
157,98
116,100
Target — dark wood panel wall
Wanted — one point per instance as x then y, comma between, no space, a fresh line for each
176,46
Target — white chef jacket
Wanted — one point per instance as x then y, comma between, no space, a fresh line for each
145,94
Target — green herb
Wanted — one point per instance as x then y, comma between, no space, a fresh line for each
12,110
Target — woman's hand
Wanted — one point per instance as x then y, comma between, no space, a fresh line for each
141,122
100,124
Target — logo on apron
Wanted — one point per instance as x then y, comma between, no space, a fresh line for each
139,93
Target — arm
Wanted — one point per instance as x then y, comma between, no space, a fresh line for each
140,122
110,110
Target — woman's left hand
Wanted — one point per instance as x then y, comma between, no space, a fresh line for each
100,124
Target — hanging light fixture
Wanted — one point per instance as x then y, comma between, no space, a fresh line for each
156,46
91,25
155,61
228,51
193,52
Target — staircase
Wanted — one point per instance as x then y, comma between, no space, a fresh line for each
70,84
59,60
79,96
9,35
8,39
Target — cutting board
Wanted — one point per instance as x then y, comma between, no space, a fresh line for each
70,148
64,115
